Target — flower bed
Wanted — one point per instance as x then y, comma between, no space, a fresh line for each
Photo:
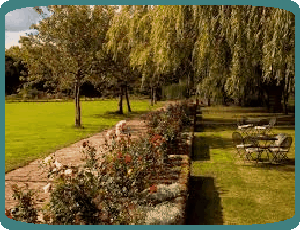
140,182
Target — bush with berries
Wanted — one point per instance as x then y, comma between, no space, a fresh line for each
111,187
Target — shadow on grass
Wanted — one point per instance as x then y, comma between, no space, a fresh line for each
287,127
215,127
201,150
287,165
204,204
87,128
219,124
236,109
117,115
202,145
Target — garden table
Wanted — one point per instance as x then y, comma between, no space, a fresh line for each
245,129
260,128
264,128
265,146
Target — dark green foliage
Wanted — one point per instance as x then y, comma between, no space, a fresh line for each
175,91
25,210
14,68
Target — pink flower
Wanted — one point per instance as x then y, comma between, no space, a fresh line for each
8,214
153,188
127,159
119,155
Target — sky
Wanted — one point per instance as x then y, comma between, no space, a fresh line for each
17,23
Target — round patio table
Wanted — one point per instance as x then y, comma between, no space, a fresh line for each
246,129
266,144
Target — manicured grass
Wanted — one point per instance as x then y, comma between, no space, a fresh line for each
250,193
35,129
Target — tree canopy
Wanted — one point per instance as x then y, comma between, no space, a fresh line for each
223,51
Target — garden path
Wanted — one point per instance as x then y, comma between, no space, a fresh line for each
36,178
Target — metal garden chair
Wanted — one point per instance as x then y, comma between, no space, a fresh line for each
252,147
265,126
281,148
241,144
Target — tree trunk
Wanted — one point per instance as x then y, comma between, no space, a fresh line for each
188,86
286,97
244,99
127,99
77,121
154,95
121,101
285,107
223,95
260,95
151,96
268,101
240,101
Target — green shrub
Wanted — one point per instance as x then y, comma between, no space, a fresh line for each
175,91
25,210
112,186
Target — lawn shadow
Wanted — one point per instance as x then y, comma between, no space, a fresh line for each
234,109
219,124
88,127
201,150
287,165
204,204
117,115
287,127
202,145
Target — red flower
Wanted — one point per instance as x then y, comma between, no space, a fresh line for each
153,188
128,159
119,155
8,214
157,139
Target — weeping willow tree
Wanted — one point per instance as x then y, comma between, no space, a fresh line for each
119,46
236,83
141,56
173,43
212,53
279,50
201,52
164,42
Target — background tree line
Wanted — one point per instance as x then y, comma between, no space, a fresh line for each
244,54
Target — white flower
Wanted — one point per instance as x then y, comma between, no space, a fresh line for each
58,165
68,172
129,171
121,127
47,188
110,134
48,159
102,160
164,213
165,191
40,217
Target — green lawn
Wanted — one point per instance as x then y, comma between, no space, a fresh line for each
249,193
35,129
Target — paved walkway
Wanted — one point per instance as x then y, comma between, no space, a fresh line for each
36,178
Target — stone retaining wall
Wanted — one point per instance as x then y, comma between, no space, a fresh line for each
184,162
